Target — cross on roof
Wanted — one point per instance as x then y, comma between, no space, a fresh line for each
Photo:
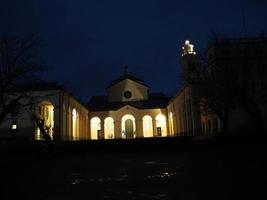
126,69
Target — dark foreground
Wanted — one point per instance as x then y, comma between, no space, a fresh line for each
232,172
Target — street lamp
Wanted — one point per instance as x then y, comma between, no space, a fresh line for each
13,128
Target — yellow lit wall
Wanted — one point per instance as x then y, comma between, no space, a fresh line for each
147,126
95,127
109,128
171,123
161,122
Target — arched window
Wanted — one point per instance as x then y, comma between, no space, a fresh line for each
128,127
45,112
161,125
75,124
109,128
95,128
147,126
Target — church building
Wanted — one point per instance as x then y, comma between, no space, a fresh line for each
128,110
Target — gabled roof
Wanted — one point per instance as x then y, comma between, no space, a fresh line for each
127,76
101,103
41,85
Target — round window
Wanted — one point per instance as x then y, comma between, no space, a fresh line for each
127,94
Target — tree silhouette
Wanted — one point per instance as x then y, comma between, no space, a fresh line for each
18,68
234,80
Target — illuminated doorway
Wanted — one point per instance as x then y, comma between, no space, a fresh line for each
147,126
45,112
128,127
161,125
95,128
109,128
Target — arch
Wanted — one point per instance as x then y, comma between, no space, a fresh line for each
75,124
128,127
45,111
129,133
161,125
109,128
147,126
95,124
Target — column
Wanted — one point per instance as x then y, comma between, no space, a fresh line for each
117,129
102,131
154,128
139,128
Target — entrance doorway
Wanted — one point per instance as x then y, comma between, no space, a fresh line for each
129,128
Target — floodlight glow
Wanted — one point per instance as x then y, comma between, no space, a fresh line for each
13,126
188,48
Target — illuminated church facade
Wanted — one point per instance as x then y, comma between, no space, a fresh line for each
127,111
130,111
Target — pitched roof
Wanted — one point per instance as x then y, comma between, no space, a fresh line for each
101,103
127,76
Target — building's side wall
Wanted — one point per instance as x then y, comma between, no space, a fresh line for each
185,112
238,122
67,106
63,106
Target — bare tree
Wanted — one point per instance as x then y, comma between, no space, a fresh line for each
218,93
18,66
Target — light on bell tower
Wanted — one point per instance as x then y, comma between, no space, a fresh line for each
189,63
188,48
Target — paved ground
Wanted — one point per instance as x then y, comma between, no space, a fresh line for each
213,173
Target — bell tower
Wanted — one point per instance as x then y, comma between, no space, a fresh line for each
189,63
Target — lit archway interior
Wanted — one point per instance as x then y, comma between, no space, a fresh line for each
147,126
171,123
161,125
75,124
45,111
95,128
128,127
109,128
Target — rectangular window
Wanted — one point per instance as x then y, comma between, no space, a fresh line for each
159,131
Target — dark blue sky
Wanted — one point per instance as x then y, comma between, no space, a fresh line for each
88,42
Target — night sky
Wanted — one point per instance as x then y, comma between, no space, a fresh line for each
87,43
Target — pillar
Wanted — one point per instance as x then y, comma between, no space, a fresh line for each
154,127
102,131
139,128
117,129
